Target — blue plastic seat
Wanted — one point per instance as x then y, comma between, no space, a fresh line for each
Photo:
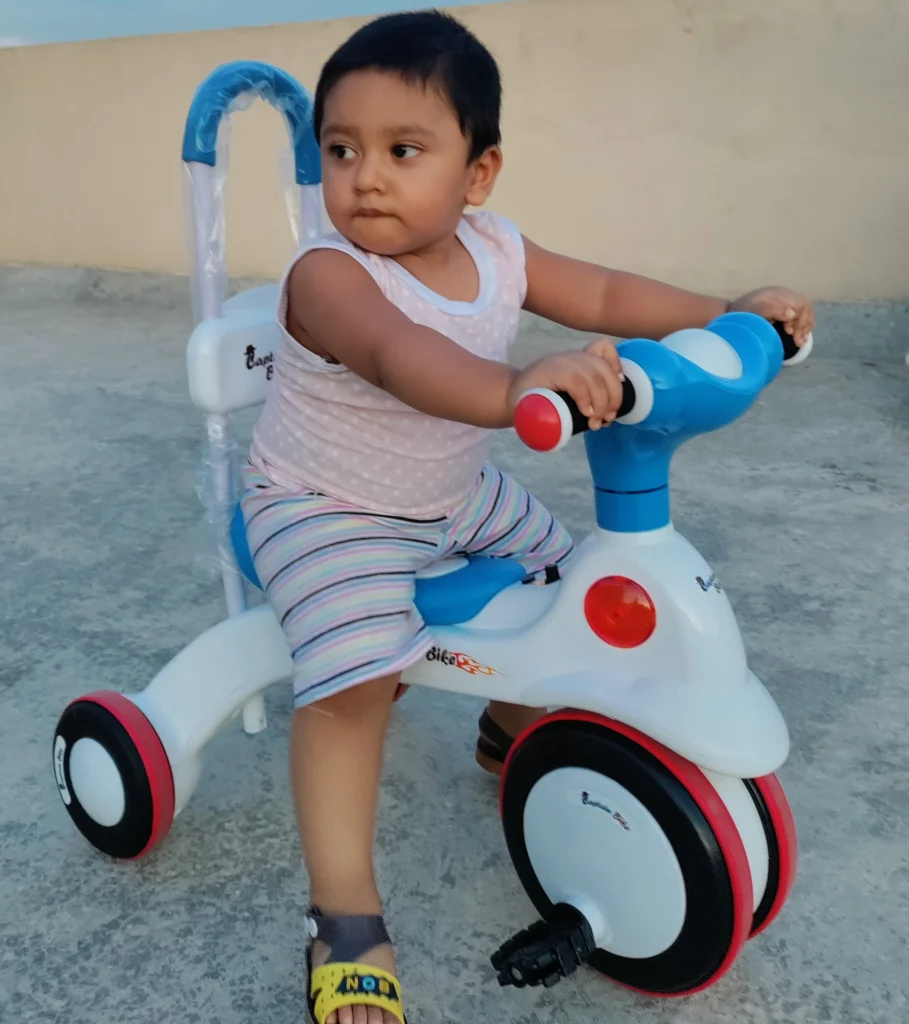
458,596
441,600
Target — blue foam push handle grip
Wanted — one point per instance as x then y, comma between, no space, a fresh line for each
224,85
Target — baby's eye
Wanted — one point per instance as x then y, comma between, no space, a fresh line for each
341,152
405,152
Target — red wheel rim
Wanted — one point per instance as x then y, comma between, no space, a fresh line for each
154,760
787,841
710,805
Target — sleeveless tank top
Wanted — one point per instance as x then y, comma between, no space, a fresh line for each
325,429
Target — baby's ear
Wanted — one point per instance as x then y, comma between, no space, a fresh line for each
483,173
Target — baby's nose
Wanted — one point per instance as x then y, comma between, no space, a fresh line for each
370,177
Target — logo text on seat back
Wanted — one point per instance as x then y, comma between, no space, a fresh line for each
253,361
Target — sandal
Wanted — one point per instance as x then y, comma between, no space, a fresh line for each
493,745
341,981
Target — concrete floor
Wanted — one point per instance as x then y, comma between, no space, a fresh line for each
802,508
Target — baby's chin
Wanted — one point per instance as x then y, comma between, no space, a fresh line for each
384,236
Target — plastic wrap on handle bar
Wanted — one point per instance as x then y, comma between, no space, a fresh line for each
226,84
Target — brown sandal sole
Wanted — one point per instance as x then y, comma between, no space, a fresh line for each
493,745
490,764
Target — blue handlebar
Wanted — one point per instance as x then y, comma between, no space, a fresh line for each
225,84
630,464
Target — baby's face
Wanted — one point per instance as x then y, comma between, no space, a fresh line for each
394,164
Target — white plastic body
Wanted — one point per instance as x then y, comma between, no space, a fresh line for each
208,684
224,376
688,686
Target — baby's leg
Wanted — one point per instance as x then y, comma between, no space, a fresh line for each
336,763
341,583
501,519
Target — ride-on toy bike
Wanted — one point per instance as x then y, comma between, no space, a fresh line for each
643,816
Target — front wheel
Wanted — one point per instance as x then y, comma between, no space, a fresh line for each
113,775
782,848
601,817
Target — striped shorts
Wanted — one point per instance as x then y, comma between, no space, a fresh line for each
341,580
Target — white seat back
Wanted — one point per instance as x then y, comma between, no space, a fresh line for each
230,361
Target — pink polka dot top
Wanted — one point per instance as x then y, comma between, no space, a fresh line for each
325,429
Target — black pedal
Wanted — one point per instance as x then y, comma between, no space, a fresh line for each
547,951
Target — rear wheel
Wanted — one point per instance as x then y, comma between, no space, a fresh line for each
601,817
113,775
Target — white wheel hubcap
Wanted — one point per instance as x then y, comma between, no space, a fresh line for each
586,834
96,782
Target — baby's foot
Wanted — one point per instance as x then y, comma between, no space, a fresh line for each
380,956
513,718
500,724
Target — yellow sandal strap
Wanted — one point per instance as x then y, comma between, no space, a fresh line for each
337,985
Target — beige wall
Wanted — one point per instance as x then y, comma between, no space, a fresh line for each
715,143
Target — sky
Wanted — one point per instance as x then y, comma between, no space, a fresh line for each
33,22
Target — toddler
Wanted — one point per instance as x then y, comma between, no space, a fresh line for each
369,460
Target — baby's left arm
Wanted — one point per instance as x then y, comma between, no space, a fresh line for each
587,297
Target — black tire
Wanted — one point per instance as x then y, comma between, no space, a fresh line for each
145,774
768,903
717,918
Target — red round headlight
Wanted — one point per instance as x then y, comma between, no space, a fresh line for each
620,612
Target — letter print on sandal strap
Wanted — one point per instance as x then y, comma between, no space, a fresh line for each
336,985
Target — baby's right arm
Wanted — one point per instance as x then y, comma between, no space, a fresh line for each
335,306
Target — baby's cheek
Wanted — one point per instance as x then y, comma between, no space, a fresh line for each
335,196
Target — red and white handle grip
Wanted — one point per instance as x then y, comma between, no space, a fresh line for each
547,420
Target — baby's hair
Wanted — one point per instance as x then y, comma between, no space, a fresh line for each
429,48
